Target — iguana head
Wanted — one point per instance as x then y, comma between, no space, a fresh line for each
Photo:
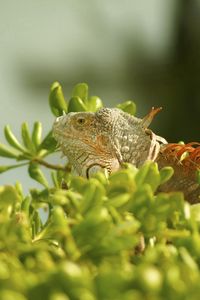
102,140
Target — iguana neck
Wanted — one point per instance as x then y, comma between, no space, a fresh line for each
134,143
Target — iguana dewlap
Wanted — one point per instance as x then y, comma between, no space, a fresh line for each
110,137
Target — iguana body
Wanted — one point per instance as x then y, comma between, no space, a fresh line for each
110,137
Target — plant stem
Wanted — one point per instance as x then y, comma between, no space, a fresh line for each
51,166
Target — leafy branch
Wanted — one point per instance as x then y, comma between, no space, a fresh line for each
32,148
87,246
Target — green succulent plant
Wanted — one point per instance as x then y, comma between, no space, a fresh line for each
87,247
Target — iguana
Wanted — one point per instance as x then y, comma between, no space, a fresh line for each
108,138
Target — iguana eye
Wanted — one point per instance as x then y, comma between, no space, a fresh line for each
81,120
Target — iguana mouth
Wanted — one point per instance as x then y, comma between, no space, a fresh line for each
65,138
97,165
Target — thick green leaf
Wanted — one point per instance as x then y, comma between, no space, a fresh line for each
37,134
148,173
36,173
6,168
92,195
165,174
26,136
56,100
94,103
8,196
119,200
128,106
81,91
150,278
6,151
12,140
11,295
76,104
25,205
48,143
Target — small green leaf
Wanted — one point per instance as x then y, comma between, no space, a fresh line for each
165,174
121,182
76,104
59,296
120,200
40,196
25,205
59,197
141,175
198,176
27,137
12,140
36,221
48,143
195,211
188,259
6,168
10,295
6,151
8,195
128,106
55,179
148,173
37,133
92,196
19,189
58,218
36,173
56,100
141,200
153,176
81,90
94,103
150,278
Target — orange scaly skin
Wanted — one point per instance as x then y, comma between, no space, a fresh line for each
185,160
110,137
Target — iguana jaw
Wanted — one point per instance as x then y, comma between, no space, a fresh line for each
88,154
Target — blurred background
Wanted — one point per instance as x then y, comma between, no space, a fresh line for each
146,51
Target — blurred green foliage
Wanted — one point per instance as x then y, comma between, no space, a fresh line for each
87,248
